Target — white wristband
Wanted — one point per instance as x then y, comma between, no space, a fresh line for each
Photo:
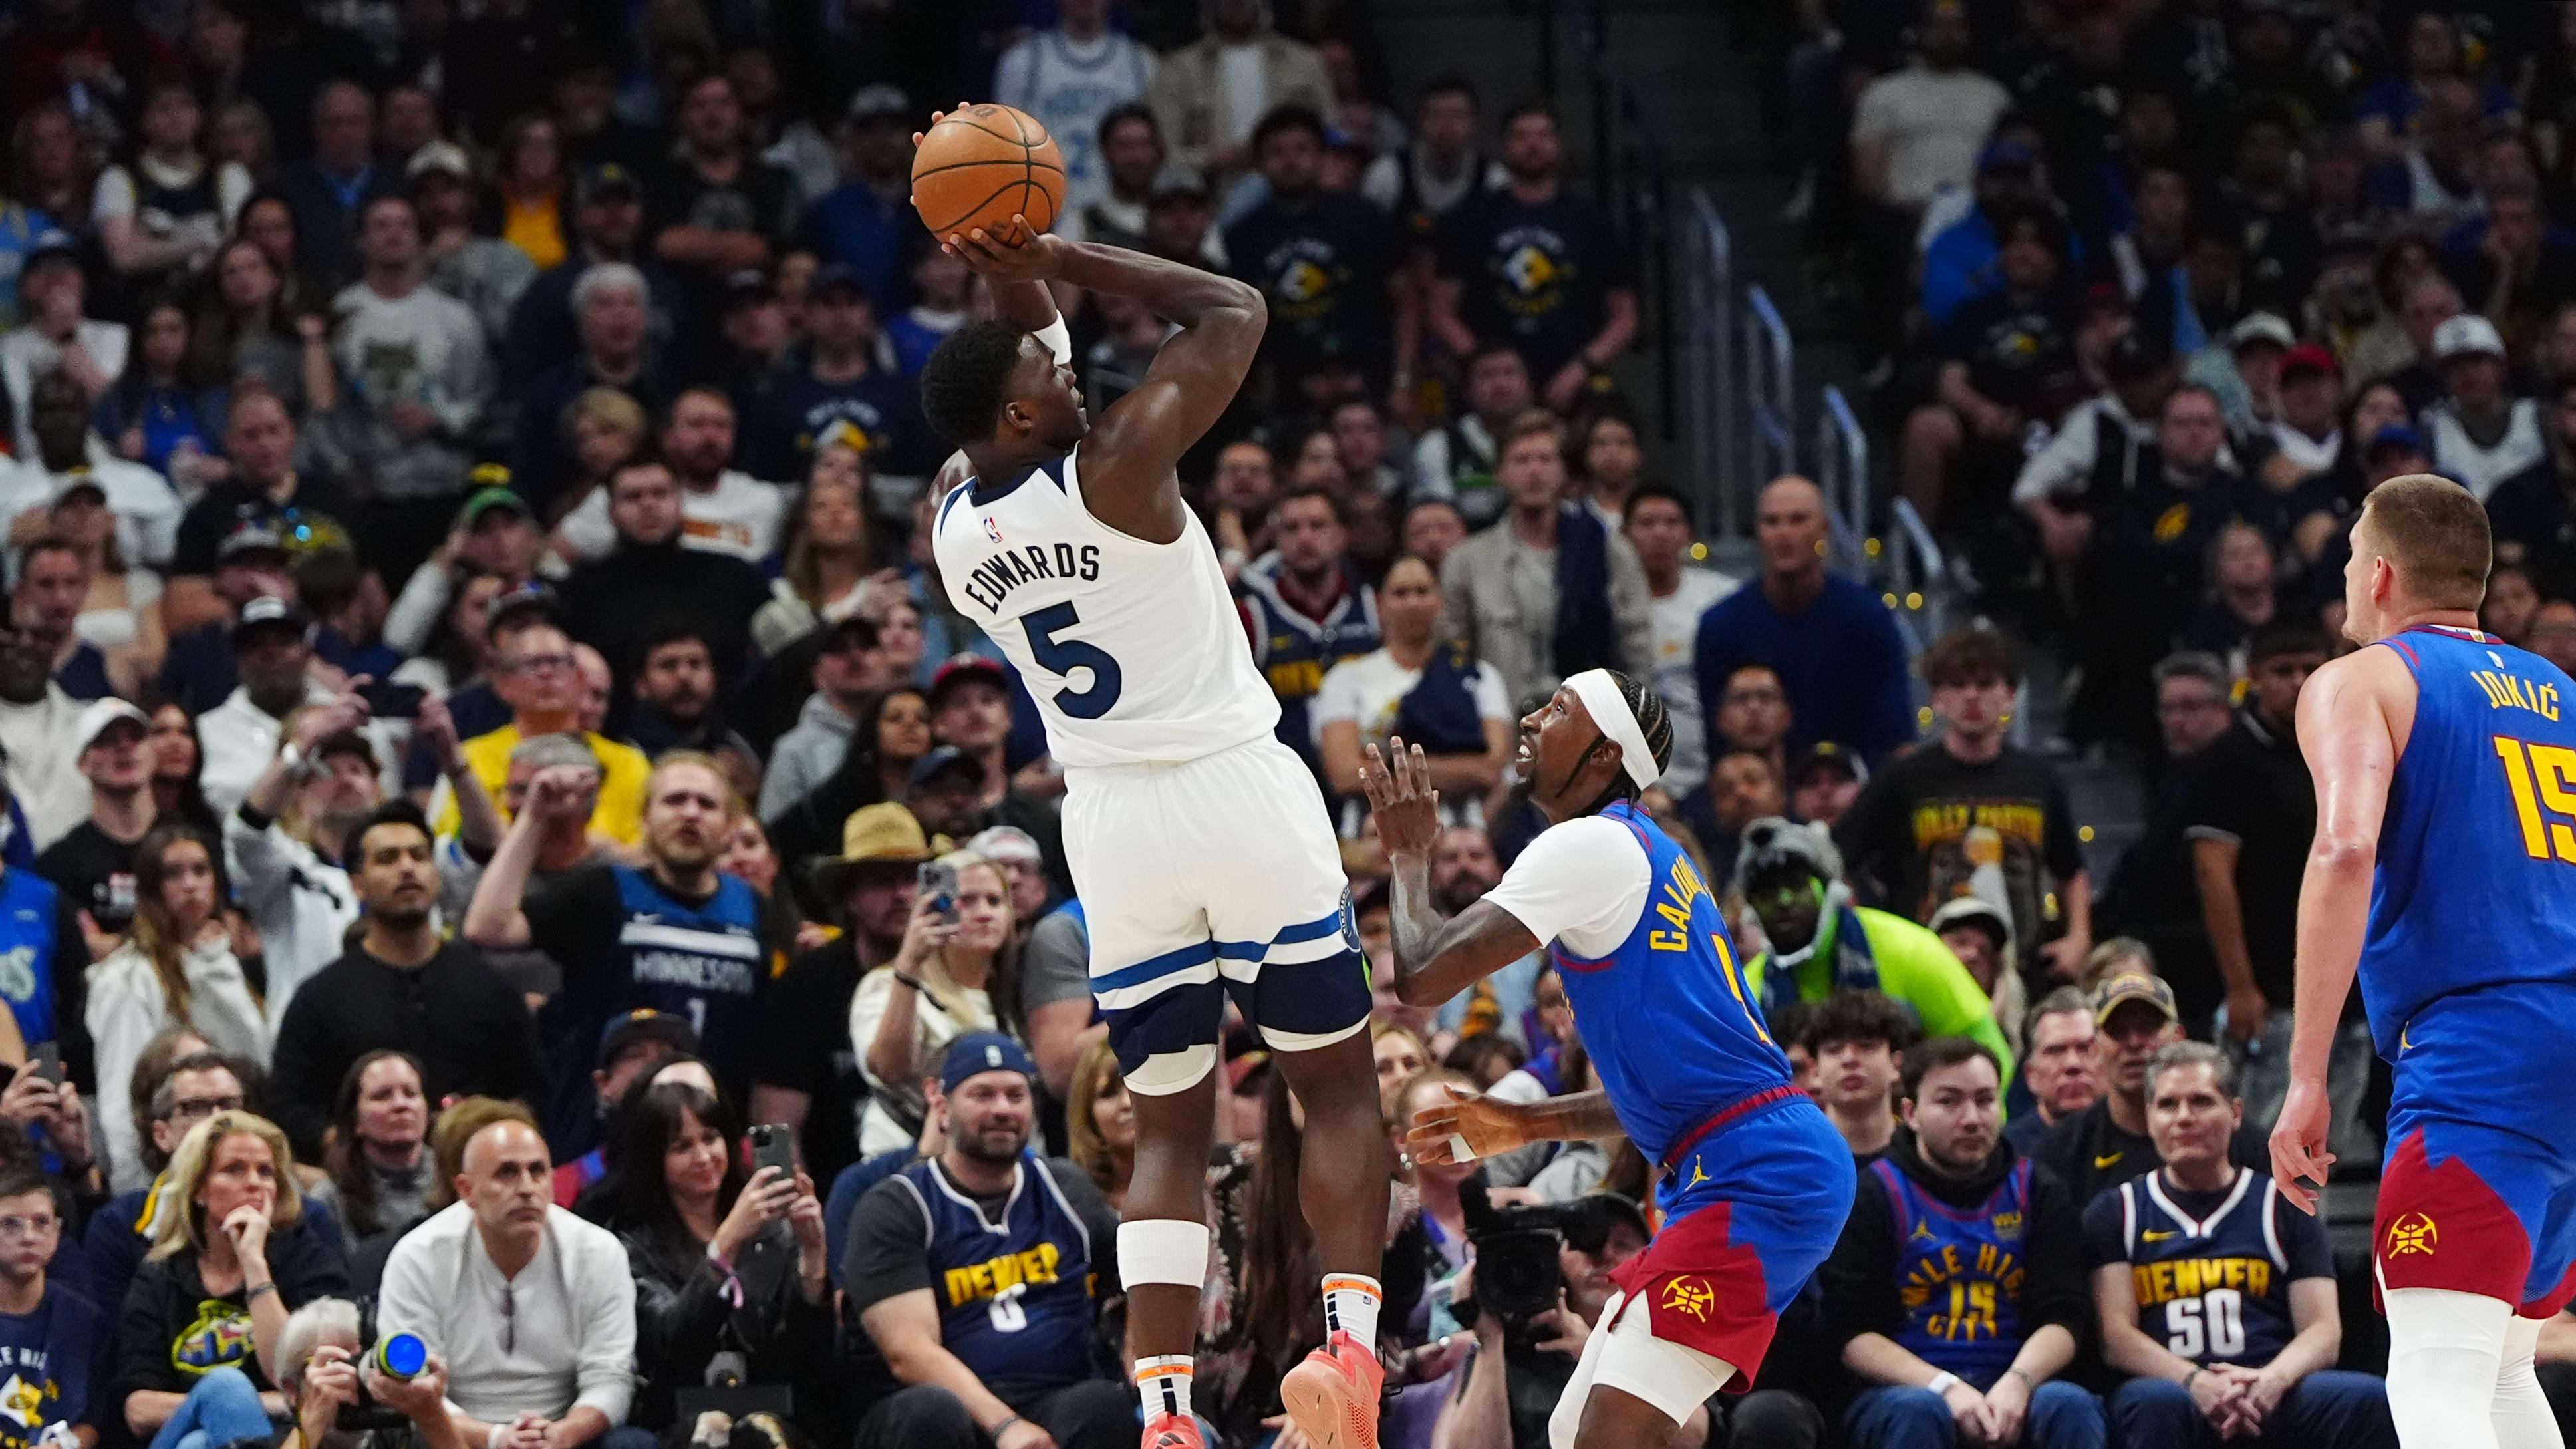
1058,339
1943,1383
499,1433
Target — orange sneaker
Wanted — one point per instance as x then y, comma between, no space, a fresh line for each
1333,1395
1173,1431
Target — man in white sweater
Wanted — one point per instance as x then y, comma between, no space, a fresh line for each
533,1308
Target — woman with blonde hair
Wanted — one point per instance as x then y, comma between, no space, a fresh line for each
1100,1121
956,972
199,1338
829,574
605,428
176,969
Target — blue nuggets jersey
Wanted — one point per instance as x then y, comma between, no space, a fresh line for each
1959,1273
2476,886
2216,1289
1665,1017
27,959
1014,1296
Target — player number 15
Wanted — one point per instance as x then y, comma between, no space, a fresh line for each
2540,777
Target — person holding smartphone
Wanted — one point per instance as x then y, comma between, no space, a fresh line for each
957,971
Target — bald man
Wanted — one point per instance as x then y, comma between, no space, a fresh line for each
1827,637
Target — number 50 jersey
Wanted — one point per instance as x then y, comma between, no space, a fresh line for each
1134,651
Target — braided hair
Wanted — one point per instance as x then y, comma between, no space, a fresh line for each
1654,721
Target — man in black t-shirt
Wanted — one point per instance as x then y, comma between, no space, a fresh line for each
807,1076
1973,815
2533,513
2007,361
1325,260
2107,1143
1535,268
719,206
93,863
266,489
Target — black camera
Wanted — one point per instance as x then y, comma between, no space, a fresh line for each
1518,1275
399,1356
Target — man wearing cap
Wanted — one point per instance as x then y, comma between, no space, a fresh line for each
867,223
494,534
297,891
1819,943
486,273
834,380
1980,934
753,332
93,863
272,650
978,1276
2246,375
719,207
612,313
635,1043
808,1076
1956,1292
970,711
722,509
1823,782
608,226
2479,433
1756,1180
2307,436
1180,218
423,376
401,986
2107,1143
56,333
2112,429
54,576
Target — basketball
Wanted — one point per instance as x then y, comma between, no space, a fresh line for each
984,165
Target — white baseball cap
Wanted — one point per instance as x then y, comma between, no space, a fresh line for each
101,713
2465,335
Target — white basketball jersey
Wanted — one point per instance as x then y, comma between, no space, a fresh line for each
1134,651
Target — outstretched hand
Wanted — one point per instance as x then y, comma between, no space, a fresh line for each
1401,800
1484,1126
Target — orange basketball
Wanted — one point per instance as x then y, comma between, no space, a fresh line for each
984,165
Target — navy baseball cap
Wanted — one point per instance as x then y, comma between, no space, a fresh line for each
944,760
645,1024
979,1052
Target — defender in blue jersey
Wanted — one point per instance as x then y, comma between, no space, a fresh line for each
2444,874
1755,1182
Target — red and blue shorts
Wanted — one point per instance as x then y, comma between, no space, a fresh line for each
2478,1194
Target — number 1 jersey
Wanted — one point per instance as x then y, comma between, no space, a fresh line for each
1134,651
2476,886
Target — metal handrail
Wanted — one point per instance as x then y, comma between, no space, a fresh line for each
1709,322
1770,386
1842,457
1917,573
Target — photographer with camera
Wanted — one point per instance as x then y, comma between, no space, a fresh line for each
346,1386
1539,1283
1957,1291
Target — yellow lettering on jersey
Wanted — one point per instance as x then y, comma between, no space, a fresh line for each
1297,679
2512,691
996,1276
2160,1283
2526,802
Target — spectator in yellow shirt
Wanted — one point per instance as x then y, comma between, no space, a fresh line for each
535,673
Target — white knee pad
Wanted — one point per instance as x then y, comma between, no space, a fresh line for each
1163,1250
1167,1072
2445,1349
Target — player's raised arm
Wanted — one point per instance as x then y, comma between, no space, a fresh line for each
1128,458
1436,957
2345,730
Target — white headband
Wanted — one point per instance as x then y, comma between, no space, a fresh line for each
1609,709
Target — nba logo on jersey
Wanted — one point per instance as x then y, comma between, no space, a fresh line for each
992,530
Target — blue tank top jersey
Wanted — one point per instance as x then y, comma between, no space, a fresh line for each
2476,886
1959,1273
2214,1289
27,965
1294,652
1665,1017
701,962
1014,1296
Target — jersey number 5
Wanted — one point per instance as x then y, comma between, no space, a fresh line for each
1063,656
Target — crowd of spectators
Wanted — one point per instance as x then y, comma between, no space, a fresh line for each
508,841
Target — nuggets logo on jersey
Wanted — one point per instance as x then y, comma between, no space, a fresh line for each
2413,1233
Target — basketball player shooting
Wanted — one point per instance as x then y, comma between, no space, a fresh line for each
2441,876
1200,846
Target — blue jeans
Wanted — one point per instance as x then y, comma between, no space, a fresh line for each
223,1407
1890,1416
2329,1409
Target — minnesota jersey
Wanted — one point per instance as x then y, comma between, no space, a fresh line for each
1959,1273
1134,651
2476,886
2212,1271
